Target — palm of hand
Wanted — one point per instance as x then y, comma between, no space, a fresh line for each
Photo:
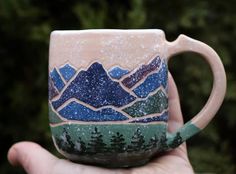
36,160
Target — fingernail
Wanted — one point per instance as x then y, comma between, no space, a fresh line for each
12,156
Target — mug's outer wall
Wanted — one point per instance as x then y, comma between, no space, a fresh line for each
108,100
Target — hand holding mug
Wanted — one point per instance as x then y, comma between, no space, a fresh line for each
34,159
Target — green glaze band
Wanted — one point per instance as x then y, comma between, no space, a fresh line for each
97,143
53,117
184,133
85,131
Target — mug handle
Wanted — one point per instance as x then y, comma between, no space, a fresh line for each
198,122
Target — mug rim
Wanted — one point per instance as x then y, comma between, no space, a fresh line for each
108,31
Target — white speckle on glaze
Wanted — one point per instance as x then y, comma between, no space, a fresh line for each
127,48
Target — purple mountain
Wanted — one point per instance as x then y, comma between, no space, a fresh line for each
142,72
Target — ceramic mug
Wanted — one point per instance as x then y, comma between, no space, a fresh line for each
108,99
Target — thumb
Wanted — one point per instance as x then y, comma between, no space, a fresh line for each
175,114
32,157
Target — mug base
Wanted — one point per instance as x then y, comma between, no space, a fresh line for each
118,165
122,160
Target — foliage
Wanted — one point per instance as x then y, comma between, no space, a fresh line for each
25,26
96,144
79,147
177,140
137,142
163,143
118,143
153,143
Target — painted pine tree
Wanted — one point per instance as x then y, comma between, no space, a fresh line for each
177,140
153,143
64,142
137,142
80,146
118,143
71,145
58,142
163,142
96,144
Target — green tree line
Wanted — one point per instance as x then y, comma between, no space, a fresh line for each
116,145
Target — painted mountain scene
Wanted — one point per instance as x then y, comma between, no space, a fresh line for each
114,95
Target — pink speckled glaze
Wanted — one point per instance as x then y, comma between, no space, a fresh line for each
183,44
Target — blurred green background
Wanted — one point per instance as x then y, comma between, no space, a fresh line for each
25,27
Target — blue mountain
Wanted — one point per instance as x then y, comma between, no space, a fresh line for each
56,79
52,91
67,72
152,82
95,88
117,72
76,111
